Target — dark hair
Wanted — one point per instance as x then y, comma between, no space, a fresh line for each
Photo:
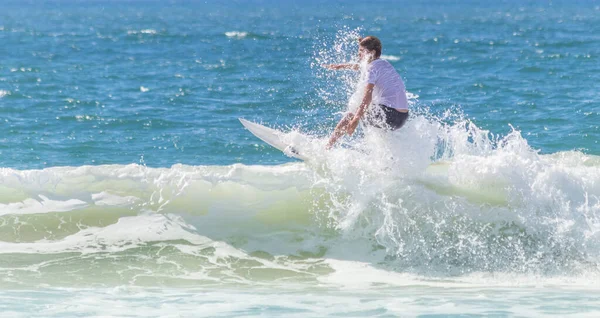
371,43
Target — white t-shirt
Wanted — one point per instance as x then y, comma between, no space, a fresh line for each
389,88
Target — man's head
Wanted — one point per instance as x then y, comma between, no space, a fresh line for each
369,46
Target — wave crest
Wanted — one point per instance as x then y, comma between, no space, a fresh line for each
436,197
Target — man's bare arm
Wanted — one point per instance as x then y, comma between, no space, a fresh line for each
343,66
367,98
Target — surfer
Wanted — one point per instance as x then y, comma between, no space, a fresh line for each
384,103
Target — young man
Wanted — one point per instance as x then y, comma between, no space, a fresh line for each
384,104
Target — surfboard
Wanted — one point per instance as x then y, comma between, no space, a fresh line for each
291,145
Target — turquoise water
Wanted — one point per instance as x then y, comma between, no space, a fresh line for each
128,187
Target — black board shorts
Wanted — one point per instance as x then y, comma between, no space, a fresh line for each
385,117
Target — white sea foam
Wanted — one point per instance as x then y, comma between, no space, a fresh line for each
109,199
392,58
21,69
41,205
4,93
144,31
511,181
236,34
410,96
433,198
409,300
127,233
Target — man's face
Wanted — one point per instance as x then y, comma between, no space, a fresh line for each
363,53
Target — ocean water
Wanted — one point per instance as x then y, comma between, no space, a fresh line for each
128,187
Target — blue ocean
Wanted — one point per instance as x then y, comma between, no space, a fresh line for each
129,187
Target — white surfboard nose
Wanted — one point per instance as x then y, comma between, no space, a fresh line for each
274,138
